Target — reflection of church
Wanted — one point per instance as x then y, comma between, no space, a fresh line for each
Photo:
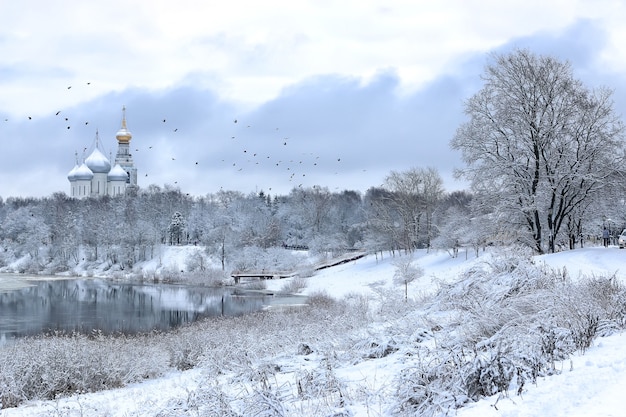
95,177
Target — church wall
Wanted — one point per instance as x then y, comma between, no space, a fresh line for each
117,188
99,184
81,188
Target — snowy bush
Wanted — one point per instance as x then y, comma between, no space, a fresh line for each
196,261
294,285
169,274
51,366
306,271
321,299
431,386
375,349
321,382
506,322
488,374
211,277
185,352
207,400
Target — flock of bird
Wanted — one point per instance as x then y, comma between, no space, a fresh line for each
259,153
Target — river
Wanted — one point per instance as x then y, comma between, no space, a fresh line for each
35,305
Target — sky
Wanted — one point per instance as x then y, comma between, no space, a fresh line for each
268,96
590,383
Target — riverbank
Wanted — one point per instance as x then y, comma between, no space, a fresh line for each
356,356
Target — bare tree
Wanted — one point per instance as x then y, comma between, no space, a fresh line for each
414,195
538,145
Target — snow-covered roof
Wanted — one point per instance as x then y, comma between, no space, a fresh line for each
72,173
97,162
117,173
82,173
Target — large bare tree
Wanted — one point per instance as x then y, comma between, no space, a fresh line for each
404,208
538,145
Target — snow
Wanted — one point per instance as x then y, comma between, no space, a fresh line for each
590,384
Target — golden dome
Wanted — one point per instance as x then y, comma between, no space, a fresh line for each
123,135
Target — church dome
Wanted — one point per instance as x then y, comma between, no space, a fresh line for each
82,173
72,174
117,174
123,135
97,162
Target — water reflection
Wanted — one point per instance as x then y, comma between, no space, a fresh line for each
93,304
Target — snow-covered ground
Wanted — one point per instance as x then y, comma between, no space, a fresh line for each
589,385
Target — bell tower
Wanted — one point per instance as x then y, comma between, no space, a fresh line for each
124,158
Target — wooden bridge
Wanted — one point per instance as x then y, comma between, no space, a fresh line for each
279,275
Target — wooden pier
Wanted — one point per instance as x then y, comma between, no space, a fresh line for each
280,275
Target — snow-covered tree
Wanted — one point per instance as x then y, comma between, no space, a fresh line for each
26,231
406,272
408,206
177,229
538,144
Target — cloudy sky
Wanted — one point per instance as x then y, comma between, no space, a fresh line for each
329,93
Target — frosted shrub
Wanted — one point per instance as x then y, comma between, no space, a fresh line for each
208,400
196,262
321,299
320,383
269,402
501,325
169,274
488,374
430,387
149,275
294,285
306,271
53,366
185,352
610,296
212,277
557,344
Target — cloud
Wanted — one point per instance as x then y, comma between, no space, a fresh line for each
336,129
331,130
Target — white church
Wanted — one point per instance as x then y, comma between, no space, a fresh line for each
95,177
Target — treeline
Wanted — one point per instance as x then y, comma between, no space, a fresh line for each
58,232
